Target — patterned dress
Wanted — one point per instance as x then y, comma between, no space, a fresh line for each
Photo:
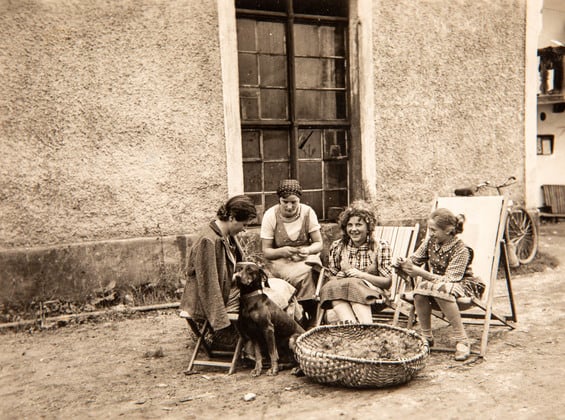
374,261
450,265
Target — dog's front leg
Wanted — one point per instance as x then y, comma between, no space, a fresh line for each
272,348
258,359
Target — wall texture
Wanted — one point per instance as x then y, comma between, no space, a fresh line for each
111,119
449,93
112,127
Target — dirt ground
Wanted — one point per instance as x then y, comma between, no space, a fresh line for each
105,370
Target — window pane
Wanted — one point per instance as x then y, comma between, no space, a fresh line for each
252,177
335,174
309,144
273,70
258,201
306,40
314,200
275,172
312,105
249,103
248,74
332,41
250,144
321,7
272,5
246,35
271,200
271,37
320,73
335,199
335,145
273,104
275,145
310,174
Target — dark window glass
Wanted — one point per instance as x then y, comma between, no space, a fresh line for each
251,146
270,5
321,7
275,145
307,138
309,144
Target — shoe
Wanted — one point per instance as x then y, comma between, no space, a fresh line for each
462,351
430,341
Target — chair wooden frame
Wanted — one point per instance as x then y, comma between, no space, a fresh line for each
215,358
490,254
402,241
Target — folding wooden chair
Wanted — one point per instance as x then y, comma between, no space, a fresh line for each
402,240
215,357
484,233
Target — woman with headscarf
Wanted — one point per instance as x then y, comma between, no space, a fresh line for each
291,242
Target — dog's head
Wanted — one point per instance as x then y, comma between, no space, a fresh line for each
249,277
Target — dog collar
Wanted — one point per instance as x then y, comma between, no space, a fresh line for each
253,293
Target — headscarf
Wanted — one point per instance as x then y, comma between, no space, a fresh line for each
289,187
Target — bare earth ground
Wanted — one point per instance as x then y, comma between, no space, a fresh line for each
102,370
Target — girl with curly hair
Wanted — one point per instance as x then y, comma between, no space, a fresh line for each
360,266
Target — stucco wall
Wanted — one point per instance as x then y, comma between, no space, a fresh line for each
449,94
111,119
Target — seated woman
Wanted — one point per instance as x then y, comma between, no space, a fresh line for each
361,267
291,242
447,277
210,293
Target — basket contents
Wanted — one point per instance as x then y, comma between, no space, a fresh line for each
361,355
373,348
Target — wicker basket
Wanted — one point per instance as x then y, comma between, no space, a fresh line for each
326,368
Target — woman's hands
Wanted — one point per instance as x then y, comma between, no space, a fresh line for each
294,253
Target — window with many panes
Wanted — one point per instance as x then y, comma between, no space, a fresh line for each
293,87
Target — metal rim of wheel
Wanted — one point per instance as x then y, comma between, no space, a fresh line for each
522,232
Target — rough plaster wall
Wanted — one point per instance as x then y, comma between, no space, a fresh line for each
449,93
109,111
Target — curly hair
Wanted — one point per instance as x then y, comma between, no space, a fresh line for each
362,210
444,219
241,207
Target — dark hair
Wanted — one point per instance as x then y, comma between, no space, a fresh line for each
362,210
241,207
445,219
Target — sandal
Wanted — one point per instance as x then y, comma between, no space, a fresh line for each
462,351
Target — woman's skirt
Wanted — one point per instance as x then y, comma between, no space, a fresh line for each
450,291
351,289
297,273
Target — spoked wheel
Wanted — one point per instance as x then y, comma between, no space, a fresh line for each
523,233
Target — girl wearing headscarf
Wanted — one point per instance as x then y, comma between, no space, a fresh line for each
291,241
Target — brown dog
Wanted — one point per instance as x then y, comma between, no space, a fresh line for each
262,321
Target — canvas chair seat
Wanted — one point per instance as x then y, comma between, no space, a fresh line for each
484,234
